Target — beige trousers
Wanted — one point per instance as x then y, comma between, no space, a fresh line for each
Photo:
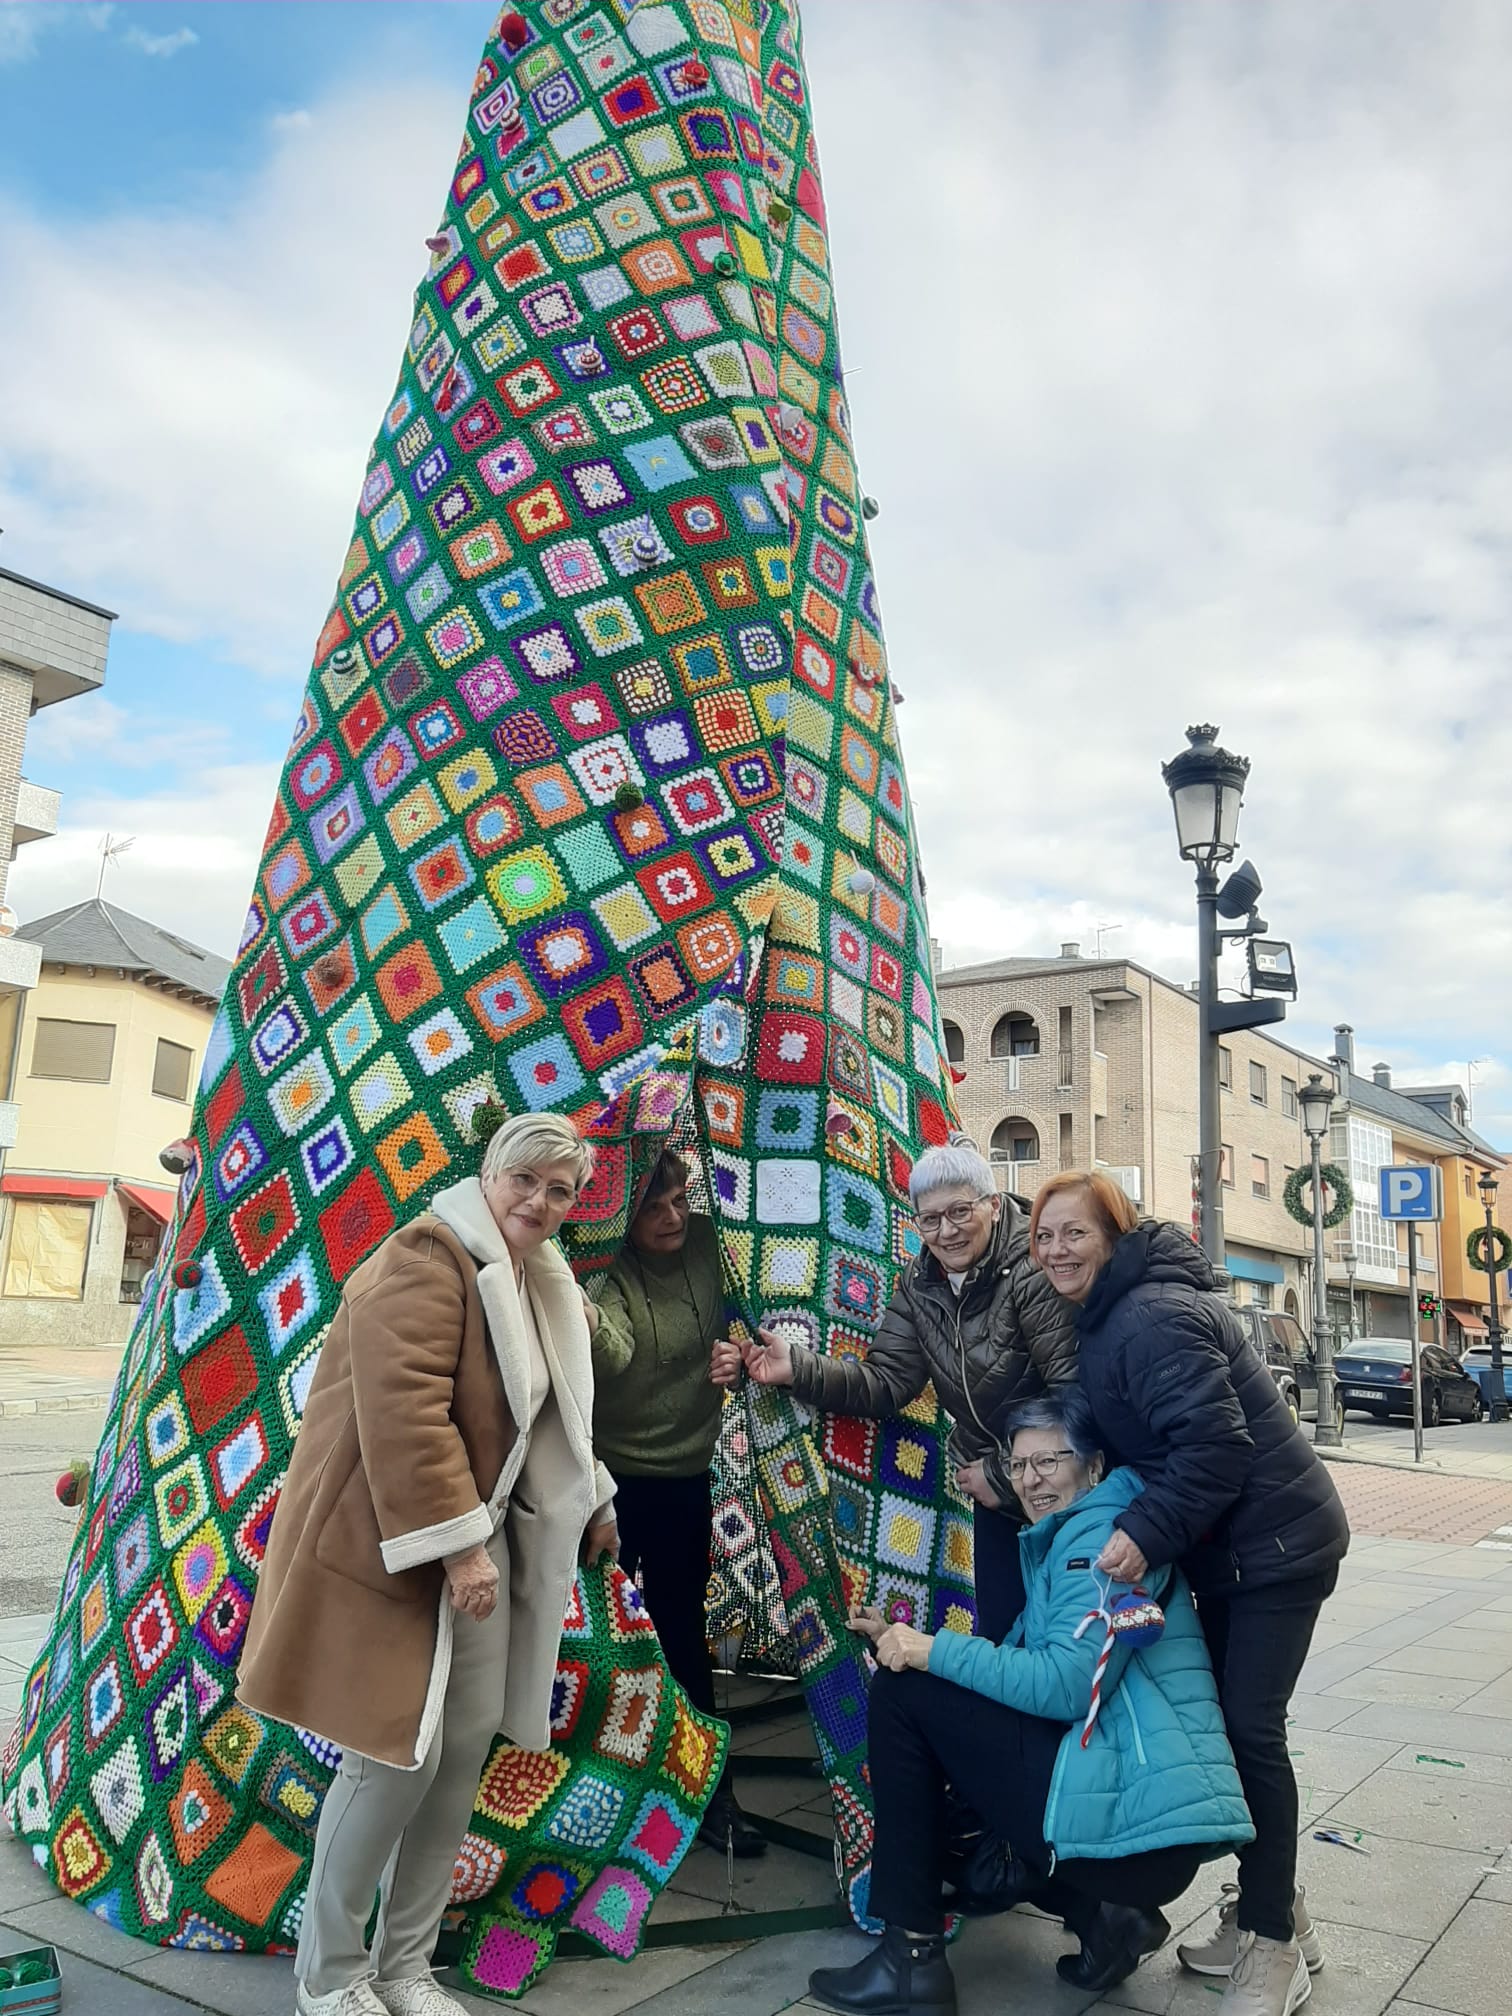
397,1832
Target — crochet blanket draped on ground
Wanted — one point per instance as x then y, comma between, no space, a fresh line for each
595,803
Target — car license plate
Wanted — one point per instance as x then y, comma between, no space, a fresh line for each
1371,1393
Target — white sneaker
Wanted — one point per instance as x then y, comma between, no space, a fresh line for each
419,1997
1270,1978
358,2000
1218,1954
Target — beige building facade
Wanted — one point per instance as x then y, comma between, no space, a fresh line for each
108,1049
52,648
1074,1063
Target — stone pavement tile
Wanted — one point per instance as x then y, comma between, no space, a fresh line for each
21,1881
1446,1735
1484,1632
1321,1711
1409,1690
1482,1666
1481,1766
780,1880
608,1987
1336,1763
89,1990
1494,1699
757,1981
1448,1809
20,1636
72,1929
1469,1969
230,1984
1335,1665
1497,1887
1399,1887
1364,1970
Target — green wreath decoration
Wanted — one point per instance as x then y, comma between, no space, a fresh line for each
1300,1181
1501,1247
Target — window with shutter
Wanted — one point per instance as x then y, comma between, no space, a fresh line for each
170,1072
82,1051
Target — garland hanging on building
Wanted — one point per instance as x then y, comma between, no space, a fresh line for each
1300,1182
1501,1247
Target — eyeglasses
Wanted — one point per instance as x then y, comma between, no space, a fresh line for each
525,1183
929,1222
1045,1464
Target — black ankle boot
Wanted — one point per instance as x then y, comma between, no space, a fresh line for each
899,1977
727,1830
1114,1939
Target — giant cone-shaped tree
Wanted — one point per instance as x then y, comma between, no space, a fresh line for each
595,803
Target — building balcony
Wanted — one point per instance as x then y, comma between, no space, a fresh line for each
59,640
36,813
1021,1176
20,964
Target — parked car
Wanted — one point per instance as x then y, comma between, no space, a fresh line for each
1375,1377
1282,1343
1477,1363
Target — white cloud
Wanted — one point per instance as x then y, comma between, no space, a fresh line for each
24,24
159,45
1177,357
192,863
202,459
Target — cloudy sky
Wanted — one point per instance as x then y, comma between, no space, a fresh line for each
1180,342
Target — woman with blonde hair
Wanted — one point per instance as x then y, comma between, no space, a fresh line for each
441,1493
1235,1495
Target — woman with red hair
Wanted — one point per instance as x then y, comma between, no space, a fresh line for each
1234,1493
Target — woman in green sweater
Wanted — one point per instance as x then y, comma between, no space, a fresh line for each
656,1416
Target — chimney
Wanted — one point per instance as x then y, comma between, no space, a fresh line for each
936,956
1070,949
1343,1051
1382,1076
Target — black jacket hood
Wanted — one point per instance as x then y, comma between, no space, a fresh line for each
1154,1251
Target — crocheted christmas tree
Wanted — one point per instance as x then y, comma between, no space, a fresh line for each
595,804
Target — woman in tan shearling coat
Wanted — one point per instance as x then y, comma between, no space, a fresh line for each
440,1495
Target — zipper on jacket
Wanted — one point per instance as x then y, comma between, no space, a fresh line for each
965,1383
1048,1823
1128,1701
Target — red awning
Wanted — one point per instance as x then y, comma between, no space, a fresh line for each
84,1188
156,1203
1472,1324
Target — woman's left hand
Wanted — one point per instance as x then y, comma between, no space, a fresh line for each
1123,1560
601,1538
591,1312
901,1647
971,1478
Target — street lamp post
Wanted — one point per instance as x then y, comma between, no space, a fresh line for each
1206,784
1498,1380
1316,1101
1351,1262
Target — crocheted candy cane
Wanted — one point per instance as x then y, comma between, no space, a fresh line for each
1134,1616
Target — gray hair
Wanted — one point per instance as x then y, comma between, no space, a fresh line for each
536,1141
1065,1411
959,1161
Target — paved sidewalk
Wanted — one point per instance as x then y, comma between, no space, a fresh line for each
1458,1449
1402,1734
55,1380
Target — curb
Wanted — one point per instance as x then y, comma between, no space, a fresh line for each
60,1403
1431,1466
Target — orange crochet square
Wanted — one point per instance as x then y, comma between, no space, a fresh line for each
412,1155
671,603
408,982
254,1876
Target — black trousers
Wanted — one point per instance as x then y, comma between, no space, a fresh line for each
923,1731
1258,1639
666,1532
999,1572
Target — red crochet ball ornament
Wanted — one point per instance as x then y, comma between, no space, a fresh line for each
694,74
188,1274
514,30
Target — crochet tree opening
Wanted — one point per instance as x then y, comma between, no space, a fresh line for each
594,804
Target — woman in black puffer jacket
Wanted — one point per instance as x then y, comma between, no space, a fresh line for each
1234,1492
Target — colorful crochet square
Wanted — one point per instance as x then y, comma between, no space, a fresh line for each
594,804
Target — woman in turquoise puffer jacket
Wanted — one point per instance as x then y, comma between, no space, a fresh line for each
1109,1816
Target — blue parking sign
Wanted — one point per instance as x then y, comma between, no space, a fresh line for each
1413,1191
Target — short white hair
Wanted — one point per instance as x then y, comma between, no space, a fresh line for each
959,1161
536,1141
